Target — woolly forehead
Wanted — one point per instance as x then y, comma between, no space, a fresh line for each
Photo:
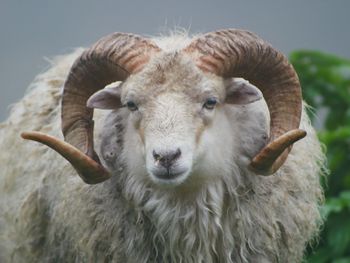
172,72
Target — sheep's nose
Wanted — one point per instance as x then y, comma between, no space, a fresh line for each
166,159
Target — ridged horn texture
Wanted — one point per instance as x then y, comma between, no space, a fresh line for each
238,53
112,58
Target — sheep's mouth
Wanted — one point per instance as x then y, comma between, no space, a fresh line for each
169,176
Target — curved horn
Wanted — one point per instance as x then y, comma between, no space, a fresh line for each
239,53
90,171
112,58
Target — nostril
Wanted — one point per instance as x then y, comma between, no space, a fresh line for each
167,159
156,156
177,154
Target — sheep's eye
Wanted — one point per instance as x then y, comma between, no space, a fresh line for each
210,103
131,105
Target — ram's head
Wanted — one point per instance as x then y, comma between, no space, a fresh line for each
174,98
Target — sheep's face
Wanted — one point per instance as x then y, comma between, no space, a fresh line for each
170,127
176,115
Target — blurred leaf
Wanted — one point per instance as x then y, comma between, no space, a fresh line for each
342,260
333,205
340,134
339,234
321,256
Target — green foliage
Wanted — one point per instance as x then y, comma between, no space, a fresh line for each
325,80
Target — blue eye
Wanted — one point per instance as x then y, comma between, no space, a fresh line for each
131,105
210,103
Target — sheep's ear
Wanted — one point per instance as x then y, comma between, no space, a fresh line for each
107,98
240,91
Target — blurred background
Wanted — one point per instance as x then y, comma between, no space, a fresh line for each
314,34
31,31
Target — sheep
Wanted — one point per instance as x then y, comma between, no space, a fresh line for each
182,149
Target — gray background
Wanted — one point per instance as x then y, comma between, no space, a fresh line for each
33,30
